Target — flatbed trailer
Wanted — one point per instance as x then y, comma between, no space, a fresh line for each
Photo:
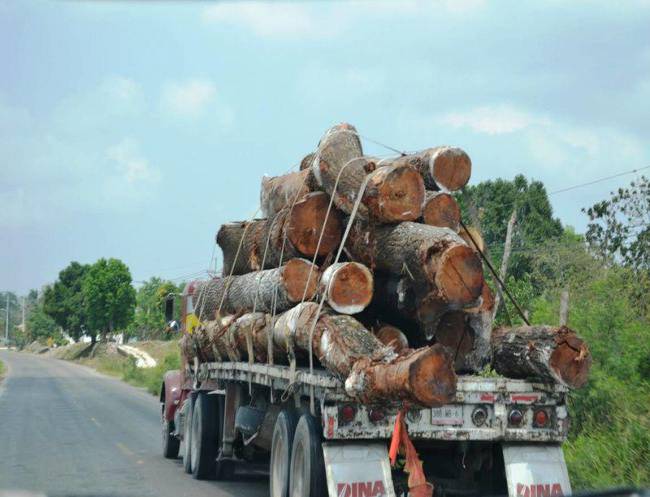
499,436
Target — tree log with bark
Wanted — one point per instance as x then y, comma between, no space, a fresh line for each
276,289
433,257
372,372
442,168
542,353
292,232
281,192
392,194
441,209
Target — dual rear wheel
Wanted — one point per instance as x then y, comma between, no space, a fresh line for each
203,437
297,468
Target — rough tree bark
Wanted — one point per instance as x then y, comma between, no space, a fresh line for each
348,287
434,257
280,192
542,353
259,291
440,209
392,194
442,168
301,225
373,371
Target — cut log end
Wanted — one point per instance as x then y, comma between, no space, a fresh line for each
308,219
300,278
571,359
450,168
432,377
440,209
349,287
395,194
460,275
392,337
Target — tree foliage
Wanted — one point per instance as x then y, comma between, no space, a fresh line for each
489,205
619,227
149,321
109,298
63,300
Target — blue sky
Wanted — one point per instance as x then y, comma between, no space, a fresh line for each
134,129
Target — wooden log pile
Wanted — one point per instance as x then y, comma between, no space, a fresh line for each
362,263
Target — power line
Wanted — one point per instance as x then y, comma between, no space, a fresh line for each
599,180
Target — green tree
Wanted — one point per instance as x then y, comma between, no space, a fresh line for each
619,228
63,301
149,320
109,298
40,326
489,205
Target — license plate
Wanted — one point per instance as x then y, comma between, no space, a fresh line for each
447,415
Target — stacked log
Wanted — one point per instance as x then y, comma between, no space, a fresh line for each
543,353
407,271
300,230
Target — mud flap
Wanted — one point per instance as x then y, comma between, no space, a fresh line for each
536,470
355,469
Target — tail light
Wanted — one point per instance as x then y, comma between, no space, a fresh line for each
515,417
540,418
479,416
376,415
347,414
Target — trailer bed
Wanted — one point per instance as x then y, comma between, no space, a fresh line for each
496,397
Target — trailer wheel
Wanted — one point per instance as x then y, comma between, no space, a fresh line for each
224,469
187,435
283,431
307,465
171,444
203,442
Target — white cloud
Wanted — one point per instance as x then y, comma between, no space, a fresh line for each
492,120
327,19
188,98
130,164
267,19
121,88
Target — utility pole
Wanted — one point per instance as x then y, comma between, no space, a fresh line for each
7,321
23,325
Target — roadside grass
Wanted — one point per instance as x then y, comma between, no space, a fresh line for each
105,359
2,369
150,378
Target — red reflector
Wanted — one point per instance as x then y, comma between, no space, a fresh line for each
347,413
541,418
376,415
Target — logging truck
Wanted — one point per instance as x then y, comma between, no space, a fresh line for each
497,436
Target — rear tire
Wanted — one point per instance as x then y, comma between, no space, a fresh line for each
187,435
204,436
283,432
171,444
307,465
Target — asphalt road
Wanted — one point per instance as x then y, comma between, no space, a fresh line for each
68,430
